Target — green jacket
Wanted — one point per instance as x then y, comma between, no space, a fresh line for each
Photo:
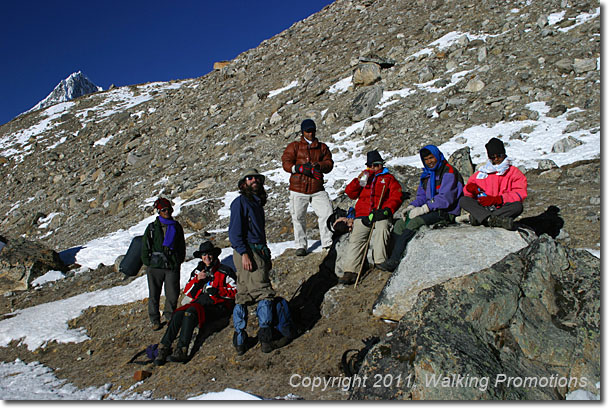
153,243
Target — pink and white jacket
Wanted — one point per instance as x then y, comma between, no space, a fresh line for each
511,185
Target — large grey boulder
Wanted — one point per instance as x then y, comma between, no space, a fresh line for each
526,328
436,255
22,261
364,104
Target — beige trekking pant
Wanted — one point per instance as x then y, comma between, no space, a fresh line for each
357,243
320,202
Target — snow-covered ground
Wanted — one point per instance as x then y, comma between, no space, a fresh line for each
33,381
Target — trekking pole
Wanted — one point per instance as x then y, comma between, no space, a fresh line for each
368,241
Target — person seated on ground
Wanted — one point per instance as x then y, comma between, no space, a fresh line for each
494,194
436,201
379,195
340,224
212,289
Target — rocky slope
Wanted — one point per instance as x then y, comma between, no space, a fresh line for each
79,170
100,158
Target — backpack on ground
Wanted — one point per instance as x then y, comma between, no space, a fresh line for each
132,262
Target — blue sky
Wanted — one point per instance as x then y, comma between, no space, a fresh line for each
127,42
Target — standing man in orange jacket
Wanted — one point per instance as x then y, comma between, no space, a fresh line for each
379,196
307,160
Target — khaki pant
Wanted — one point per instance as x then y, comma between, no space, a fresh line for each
252,286
320,202
357,242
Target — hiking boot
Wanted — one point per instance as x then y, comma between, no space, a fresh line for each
161,358
301,252
501,222
389,265
265,336
266,347
156,325
179,356
241,349
473,220
281,342
349,278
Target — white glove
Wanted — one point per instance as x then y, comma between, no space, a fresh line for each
420,210
405,211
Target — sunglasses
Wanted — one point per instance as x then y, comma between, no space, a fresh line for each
495,156
252,177
165,210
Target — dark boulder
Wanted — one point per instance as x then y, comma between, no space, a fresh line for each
527,328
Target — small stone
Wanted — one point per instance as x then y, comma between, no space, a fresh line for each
140,375
474,85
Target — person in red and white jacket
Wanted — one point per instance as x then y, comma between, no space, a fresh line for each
212,291
494,194
379,195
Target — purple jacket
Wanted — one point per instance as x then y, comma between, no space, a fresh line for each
449,191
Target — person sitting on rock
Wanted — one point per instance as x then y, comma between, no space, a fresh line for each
212,289
378,196
437,200
494,194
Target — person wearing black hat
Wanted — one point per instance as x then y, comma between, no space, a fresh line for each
494,194
379,195
163,251
307,160
212,292
252,259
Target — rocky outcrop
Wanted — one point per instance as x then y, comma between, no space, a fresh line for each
22,261
527,328
436,255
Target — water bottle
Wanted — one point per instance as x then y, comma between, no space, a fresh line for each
363,178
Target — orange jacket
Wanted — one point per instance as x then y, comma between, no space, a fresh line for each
301,152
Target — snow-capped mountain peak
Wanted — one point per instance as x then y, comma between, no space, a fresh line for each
76,85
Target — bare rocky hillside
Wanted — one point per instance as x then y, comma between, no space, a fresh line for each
83,169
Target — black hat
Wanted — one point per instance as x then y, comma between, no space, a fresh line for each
373,157
495,146
308,125
207,248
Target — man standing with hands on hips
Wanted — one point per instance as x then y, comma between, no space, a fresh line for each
307,160
252,259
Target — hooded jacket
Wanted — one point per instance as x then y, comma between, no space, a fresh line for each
447,189
302,152
369,195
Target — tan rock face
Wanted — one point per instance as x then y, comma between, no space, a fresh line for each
23,261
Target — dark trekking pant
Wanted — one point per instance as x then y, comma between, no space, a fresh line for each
183,321
481,213
157,279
